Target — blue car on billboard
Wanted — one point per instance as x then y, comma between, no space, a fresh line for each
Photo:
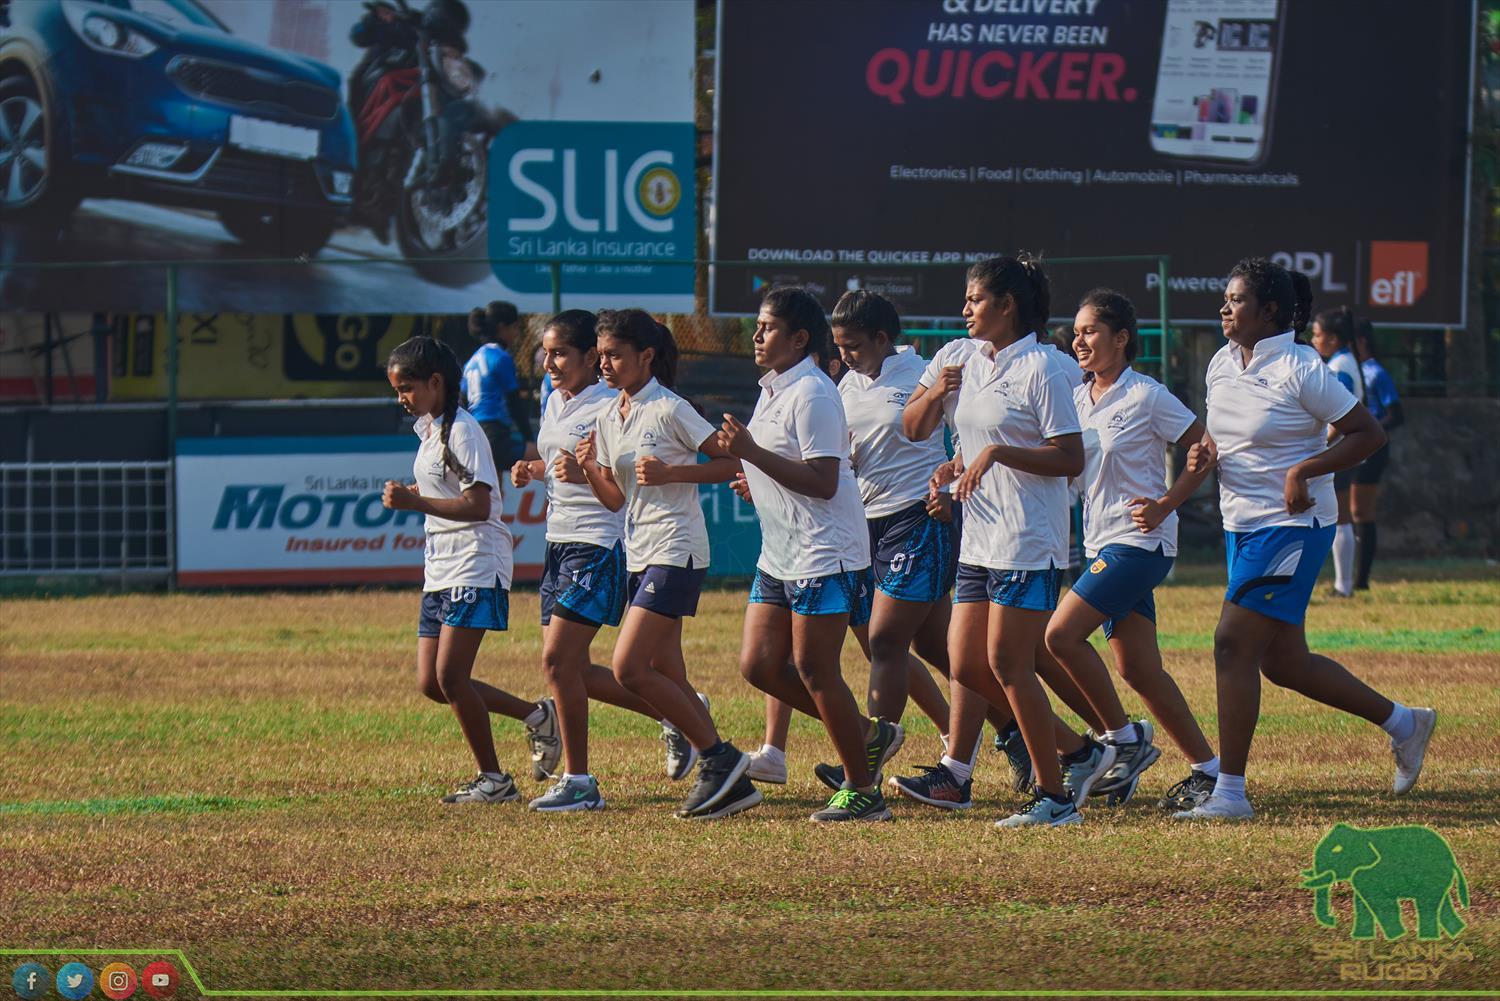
155,101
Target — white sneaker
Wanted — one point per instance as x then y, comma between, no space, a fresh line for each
1218,808
766,768
1043,811
1410,752
483,789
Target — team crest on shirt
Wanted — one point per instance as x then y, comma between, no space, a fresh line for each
580,429
648,438
1098,566
775,414
898,398
1117,420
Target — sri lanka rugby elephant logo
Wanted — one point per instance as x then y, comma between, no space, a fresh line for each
1384,866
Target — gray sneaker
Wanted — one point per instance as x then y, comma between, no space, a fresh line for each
878,750
1131,760
1188,793
568,795
546,742
1080,775
1410,753
1009,743
1043,811
483,789
681,754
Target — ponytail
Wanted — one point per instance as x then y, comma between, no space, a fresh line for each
1302,307
1023,279
640,330
421,358
1289,291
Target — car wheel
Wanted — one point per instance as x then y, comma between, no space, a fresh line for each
33,186
278,232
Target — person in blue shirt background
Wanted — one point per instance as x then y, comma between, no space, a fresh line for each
492,391
1385,406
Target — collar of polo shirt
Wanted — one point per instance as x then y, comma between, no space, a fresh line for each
1273,345
1018,346
775,382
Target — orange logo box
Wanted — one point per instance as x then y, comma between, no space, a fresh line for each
1398,272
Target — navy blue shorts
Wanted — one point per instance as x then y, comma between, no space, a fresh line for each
584,583
835,594
669,591
1121,579
915,555
464,608
1036,590
1272,570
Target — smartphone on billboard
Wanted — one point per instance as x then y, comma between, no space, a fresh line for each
1216,80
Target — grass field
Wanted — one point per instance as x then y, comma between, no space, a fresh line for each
253,779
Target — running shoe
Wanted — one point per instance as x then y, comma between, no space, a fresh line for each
767,768
851,804
1218,808
568,795
741,796
1410,752
936,786
1131,760
1082,769
546,742
483,789
718,775
1188,793
882,747
1009,742
681,754
1043,811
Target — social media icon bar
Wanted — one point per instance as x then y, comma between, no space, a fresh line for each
30,981
75,981
159,980
117,981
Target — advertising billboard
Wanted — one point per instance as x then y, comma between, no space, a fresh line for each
293,511
441,132
898,140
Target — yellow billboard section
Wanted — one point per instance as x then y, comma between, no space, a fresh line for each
259,356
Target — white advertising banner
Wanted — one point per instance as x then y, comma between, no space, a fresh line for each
274,511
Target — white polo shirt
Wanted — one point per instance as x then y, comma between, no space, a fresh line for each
1021,396
952,353
574,514
1346,367
663,525
461,553
891,469
1265,418
1125,436
799,416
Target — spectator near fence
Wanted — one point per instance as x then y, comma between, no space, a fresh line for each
1364,494
492,391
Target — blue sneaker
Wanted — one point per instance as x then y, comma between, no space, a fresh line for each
1085,767
568,795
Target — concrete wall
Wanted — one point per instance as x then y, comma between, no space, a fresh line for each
1441,492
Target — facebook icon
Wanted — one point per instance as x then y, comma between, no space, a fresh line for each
30,981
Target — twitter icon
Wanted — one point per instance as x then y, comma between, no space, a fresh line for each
75,981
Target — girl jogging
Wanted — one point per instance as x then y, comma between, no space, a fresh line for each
1130,536
814,561
1364,494
467,562
1020,441
642,459
1333,336
583,577
1270,401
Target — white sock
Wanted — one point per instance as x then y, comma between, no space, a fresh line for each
1209,767
1343,560
1125,735
572,779
1401,725
1230,786
960,769
772,753
537,715
493,776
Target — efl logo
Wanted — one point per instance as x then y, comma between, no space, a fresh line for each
1398,272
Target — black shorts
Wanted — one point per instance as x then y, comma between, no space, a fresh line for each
1368,473
1342,480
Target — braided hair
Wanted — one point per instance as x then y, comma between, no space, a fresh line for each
421,358
1021,278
